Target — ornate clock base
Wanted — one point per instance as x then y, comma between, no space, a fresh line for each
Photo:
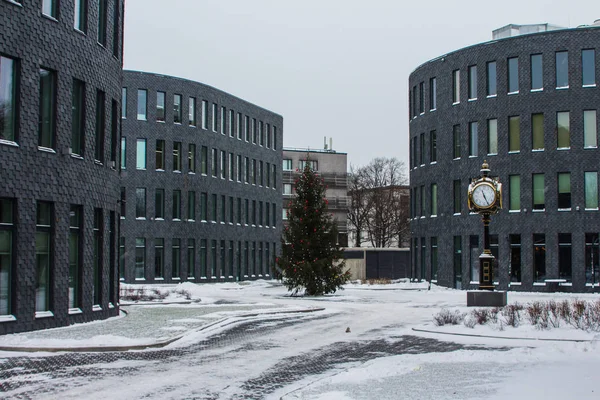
486,298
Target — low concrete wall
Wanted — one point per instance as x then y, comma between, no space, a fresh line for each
377,263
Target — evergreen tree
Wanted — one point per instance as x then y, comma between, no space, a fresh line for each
310,256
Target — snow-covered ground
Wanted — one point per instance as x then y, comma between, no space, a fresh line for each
498,362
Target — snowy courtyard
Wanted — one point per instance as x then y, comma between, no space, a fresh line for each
253,341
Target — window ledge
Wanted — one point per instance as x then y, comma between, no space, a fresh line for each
511,93
537,90
473,99
587,284
536,150
98,162
492,154
158,278
539,283
192,126
44,314
515,284
46,149
111,305
176,219
473,156
514,211
563,148
455,103
160,170
190,220
585,148
51,18
73,311
562,87
16,4
96,307
140,218
176,278
539,211
433,163
433,216
591,209
140,279
564,209
176,171
432,109
77,156
491,96
9,143
456,214
159,219
514,152
7,318
593,85
191,278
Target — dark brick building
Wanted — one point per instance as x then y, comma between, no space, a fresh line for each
201,181
528,105
60,91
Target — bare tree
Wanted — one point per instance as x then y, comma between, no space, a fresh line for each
379,203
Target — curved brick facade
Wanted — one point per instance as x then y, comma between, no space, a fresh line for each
60,185
184,219
558,238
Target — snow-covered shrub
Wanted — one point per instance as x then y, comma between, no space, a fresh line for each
445,317
470,322
512,314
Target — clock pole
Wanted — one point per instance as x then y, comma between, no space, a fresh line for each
486,259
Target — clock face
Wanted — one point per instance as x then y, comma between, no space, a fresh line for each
484,195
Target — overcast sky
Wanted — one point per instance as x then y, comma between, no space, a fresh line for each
335,68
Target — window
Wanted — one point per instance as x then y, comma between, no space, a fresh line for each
564,256
473,82
230,123
562,69
140,203
114,132
287,188
192,158
8,112
513,75
231,217
474,258
223,120
274,176
422,152
98,255
590,137
239,168
123,202
223,209
214,166
287,165
591,190
191,206
100,126
267,214
491,81
421,98
140,258
514,134
432,147
537,131
588,67
102,22
80,15
253,212
160,155
473,139
539,257
213,258
141,154
47,127
457,262
312,164
539,200
246,211
214,204
123,152
592,274
564,190
214,117
43,255
515,258
7,232
247,170
273,215
537,72
116,28
274,138
160,106
456,86
176,204
239,211
492,137
77,117
142,109
191,258
124,103
75,255
223,165
246,128
177,108
563,131
457,197
122,258
238,126
176,258
231,167
192,111
177,149
204,114
514,191
203,206
268,136
204,160
456,141
159,204
253,171
159,258
254,129
432,94
433,197
50,8
414,101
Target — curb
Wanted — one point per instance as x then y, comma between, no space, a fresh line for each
158,344
504,337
